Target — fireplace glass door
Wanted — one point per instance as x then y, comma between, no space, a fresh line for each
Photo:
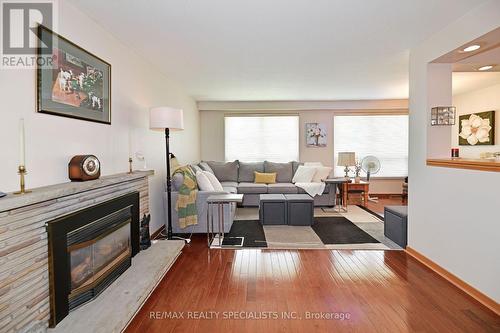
98,253
91,261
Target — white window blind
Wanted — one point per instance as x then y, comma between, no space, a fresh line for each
385,137
260,138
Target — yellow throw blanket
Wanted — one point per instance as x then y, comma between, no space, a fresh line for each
186,202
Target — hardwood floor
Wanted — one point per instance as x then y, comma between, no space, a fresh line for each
380,291
378,207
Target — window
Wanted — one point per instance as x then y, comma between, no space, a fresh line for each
385,137
259,138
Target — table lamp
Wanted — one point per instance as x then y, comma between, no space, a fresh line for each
346,159
167,119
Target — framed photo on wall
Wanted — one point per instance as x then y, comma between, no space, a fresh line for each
316,135
75,84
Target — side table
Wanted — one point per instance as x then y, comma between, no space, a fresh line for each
219,200
337,183
362,186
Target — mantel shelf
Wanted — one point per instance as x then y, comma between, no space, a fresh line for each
466,163
41,194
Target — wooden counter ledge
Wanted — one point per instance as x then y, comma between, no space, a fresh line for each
466,163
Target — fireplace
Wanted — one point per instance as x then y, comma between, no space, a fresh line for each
88,250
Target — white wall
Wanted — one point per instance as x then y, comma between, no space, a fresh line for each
475,101
453,214
212,128
52,140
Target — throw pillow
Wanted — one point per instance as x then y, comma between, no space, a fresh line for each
284,171
205,167
204,183
214,181
224,171
195,168
304,174
322,173
265,178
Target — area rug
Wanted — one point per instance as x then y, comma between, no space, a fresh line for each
292,237
251,231
353,214
356,229
339,230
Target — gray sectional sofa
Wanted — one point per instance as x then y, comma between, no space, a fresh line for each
238,177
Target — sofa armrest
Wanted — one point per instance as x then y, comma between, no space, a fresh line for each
202,210
203,195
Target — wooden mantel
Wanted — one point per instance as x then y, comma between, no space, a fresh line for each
46,193
466,163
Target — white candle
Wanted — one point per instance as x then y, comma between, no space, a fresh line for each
22,157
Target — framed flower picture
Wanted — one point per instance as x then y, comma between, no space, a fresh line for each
75,83
477,129
316,135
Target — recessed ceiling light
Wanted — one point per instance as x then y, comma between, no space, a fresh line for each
471,48
485,68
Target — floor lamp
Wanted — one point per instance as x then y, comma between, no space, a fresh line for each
167,119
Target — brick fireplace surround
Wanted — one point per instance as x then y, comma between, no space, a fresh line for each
24,270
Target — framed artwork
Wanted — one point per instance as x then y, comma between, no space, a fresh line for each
477,129
75,84
316,135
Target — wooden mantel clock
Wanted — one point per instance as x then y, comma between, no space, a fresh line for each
84,167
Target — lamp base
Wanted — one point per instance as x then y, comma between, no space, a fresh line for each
346,170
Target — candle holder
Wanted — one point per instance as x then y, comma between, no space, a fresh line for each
130,165
22,171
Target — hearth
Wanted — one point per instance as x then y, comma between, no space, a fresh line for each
88,250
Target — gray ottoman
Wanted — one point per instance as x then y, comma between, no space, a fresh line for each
300,209
396,224
272,209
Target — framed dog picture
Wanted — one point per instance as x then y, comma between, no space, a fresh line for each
75,83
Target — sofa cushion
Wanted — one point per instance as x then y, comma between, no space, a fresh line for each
206,167
304,174
195,168
215,182
230,187
282,188
252,188
204,184
246,171
284,171
295,166
322,173
225,171
229,184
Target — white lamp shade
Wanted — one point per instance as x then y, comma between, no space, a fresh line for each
166,117
346,159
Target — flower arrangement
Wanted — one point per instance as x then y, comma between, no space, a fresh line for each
357,168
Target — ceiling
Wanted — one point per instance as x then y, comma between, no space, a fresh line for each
279,49
464,82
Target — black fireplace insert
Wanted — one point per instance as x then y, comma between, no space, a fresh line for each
88,250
